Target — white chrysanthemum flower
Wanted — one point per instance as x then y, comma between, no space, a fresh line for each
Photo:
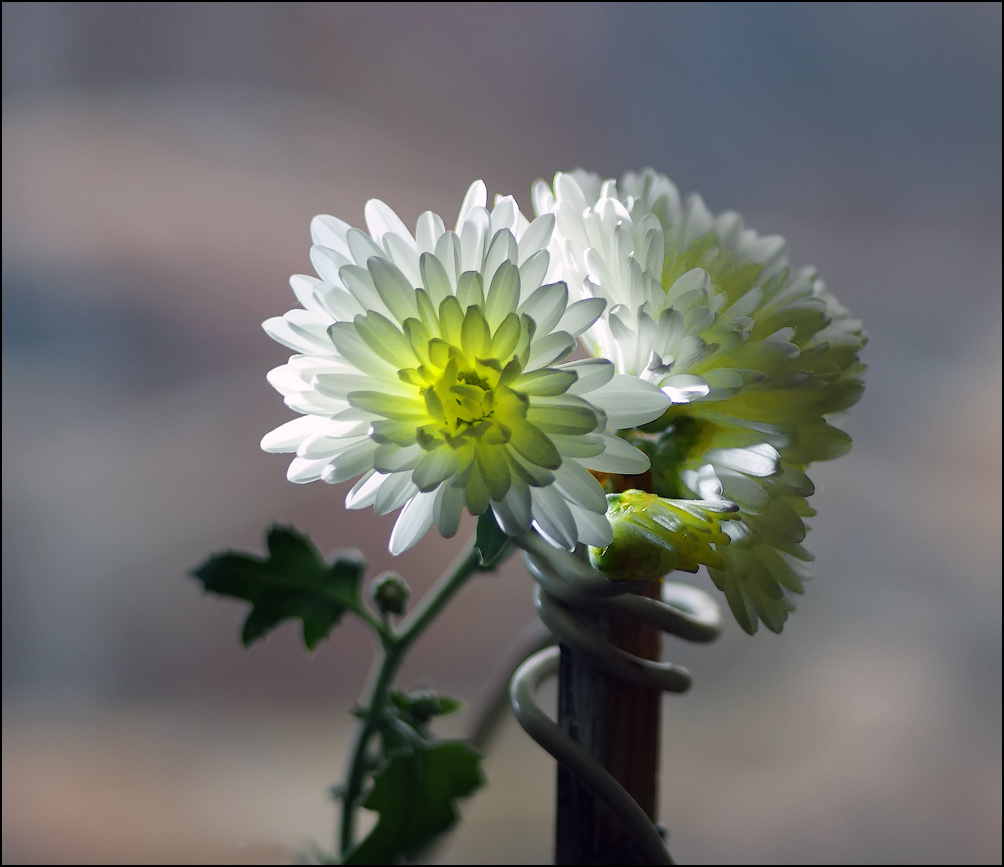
433,366
753,357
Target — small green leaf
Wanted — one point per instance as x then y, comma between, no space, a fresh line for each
414,795
292,582
493,545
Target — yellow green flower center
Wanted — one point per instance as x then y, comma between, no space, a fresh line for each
467,400
466,397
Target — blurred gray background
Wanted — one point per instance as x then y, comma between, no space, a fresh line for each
161,163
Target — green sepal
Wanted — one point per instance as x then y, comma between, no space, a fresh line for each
292,582
492,543
414,795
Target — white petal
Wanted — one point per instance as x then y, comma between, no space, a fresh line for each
312,403
685,388
579,486
394,288
536,237
475,197
381,219
303,288
545,306
354,460
577,446
514,512
592,528
286,380
474,239
553,518
354,349
337,301
327,263
757,460
618,457
341,385
363,492
362,246
629,401
551,348
392,458
435,278
504,214
567,190
448,255
288,436
704,482
744,490
428,231
435,467
580,315
396,490
447,510
502,248
303,470
543,198
413,522
328,231
403,254
359,282
591,372
503,294
282,330
532,273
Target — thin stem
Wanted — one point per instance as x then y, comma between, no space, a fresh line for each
381,676
393,648
381,627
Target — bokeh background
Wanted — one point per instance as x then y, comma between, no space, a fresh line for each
161,163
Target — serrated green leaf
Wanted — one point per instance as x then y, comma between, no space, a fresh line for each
292,582
492,543
414,795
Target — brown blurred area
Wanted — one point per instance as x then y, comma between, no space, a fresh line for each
161,163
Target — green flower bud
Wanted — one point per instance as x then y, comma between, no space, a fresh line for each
390,593
654,535
421,705
425,704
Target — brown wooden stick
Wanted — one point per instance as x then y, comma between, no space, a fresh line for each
618,723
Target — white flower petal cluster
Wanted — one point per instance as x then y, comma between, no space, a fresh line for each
755,359
433,366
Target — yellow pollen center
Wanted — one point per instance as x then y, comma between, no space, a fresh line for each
465,398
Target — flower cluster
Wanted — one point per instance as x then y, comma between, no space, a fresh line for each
434,367
755,359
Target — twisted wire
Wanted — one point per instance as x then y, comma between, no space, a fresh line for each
566,584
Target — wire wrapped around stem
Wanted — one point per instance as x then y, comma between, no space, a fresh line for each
566,585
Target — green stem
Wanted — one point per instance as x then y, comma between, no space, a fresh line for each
393,649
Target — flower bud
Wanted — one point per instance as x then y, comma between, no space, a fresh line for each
654,535
425,704
390,593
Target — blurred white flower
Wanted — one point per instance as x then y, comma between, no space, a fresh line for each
754,358
433,366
